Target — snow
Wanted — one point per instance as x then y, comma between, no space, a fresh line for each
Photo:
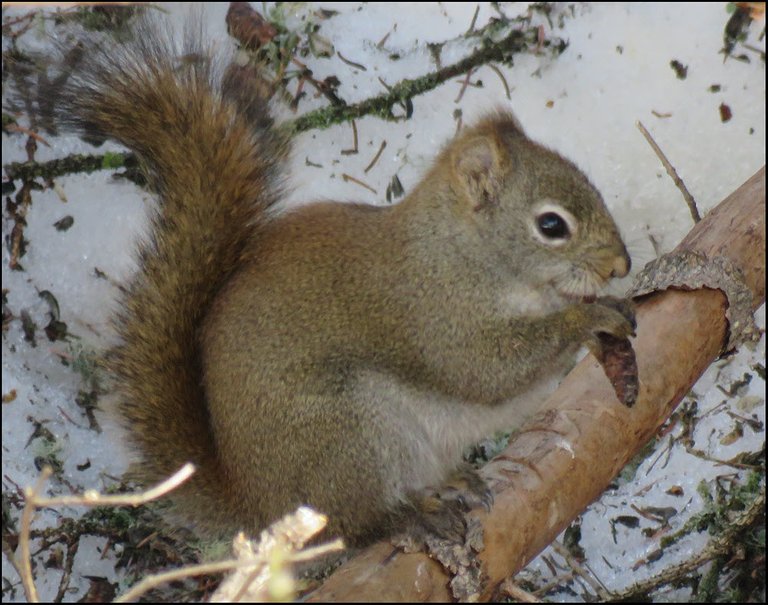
583,103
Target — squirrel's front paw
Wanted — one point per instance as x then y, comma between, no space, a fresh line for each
611,315
623,305
612,325
440,511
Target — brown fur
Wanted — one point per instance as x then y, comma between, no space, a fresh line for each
340,355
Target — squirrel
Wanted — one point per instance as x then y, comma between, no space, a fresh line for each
338,355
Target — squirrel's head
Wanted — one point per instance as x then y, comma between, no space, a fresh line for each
538,216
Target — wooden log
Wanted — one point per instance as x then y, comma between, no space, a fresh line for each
566,456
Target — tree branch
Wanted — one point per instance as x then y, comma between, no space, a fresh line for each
565,457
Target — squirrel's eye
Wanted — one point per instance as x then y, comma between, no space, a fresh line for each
553,226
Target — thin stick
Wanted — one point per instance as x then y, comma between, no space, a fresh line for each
347,178
376,157
502,78
94,498
28,132
27,514
586,575
672,173
521,596
89,498
464,84
151,582
316,551
474,20
383,41
352,63
293,557
354,143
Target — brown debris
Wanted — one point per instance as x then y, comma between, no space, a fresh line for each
620,365
248,27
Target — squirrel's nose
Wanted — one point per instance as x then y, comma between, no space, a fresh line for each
621,265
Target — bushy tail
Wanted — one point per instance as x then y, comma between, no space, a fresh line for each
206,148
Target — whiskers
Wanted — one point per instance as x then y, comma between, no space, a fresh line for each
644,248
579,282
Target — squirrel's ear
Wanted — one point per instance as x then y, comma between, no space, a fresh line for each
478,170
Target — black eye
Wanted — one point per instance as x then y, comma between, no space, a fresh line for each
553,226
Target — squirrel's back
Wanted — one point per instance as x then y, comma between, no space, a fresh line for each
201,133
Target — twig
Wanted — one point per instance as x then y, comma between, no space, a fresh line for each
503,80
321,87
151,582
94,498
587,575
73,163
754,49
348,178
294,557
267,578
464,85
672,173
29,18
89,498
69,563
733,463
354,141
299,93
500,51
25,565
474,20
317,551
17,20
352,63
383,41
376,157
28,132
511,589
557,582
